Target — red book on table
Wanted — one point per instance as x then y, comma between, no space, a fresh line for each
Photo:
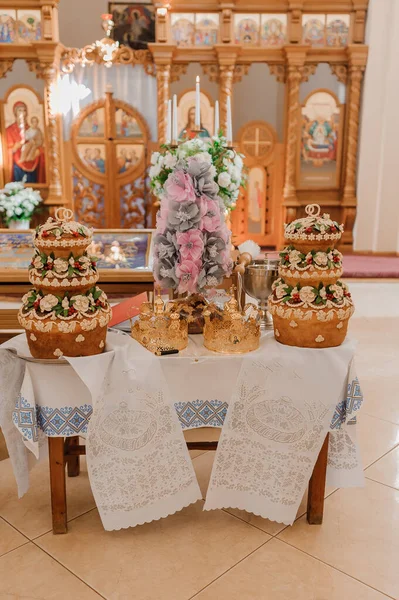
127,309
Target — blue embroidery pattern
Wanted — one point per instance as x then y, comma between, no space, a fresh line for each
64,421
348,406
24,417
201,413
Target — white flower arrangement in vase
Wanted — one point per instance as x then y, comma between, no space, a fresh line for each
17,204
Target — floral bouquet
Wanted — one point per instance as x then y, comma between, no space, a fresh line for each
192,243
18,203
226,166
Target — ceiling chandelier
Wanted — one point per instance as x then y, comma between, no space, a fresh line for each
107,47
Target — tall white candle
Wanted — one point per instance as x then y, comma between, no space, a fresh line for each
216,126
174,119
229,133
169,122
197,102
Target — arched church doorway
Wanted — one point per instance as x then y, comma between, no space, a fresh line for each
258,213
109,158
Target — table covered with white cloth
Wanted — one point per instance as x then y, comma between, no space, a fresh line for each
275,407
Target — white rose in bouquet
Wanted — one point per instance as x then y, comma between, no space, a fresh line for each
224,179
306,294
48,302
169,160
154,157
81,303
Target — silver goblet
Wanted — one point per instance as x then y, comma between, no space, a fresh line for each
257,281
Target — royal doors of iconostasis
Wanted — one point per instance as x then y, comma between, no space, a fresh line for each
109,150
258,214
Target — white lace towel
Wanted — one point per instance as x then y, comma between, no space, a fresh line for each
139,466
11,376
275,426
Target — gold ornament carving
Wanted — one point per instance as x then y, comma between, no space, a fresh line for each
89,201
340,72
355,81
177,70
132,210
212,71
239,72
163,92
279,71
89,55
5,67
294,77
226,25
307,71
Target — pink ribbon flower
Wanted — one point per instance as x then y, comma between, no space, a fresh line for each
191,244
211,220
188,273
179,187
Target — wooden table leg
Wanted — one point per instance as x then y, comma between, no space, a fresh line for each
317,486
57,484
73,462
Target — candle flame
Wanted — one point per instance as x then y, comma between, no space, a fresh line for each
197,79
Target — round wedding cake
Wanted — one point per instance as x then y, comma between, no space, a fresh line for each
65,313
310,305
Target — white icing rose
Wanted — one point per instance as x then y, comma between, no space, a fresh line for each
48,302
322,293
306,294
281,291
85,261
320,258
81,303
49,260
60,265
337,291
103,297
65,303
295,257
38,263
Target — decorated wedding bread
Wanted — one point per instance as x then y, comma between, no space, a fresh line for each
310,305
313,232
65,313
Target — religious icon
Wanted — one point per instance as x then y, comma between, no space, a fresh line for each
313,29
186,116
273,30
24,136
256,195
29,25
183,28
93,124
206,29
126,125
319,139
93,156
8,26
128,156
134,23
337,30
246,29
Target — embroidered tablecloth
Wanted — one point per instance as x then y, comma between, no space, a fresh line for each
263,423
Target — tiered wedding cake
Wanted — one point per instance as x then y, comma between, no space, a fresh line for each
65,313
311,307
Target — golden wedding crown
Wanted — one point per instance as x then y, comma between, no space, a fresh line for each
231,330
160,327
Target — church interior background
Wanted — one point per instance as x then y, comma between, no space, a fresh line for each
293,70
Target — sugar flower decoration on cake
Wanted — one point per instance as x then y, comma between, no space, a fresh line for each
48,302
80,303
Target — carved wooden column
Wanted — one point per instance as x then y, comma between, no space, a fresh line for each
357,56
295,56
48,71
227,57
163,54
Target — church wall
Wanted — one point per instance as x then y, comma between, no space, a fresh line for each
377,225
80,21
20,75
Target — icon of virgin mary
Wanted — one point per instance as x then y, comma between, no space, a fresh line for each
26,158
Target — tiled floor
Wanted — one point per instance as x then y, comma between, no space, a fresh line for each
230,555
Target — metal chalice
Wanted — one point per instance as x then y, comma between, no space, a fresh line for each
257,282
